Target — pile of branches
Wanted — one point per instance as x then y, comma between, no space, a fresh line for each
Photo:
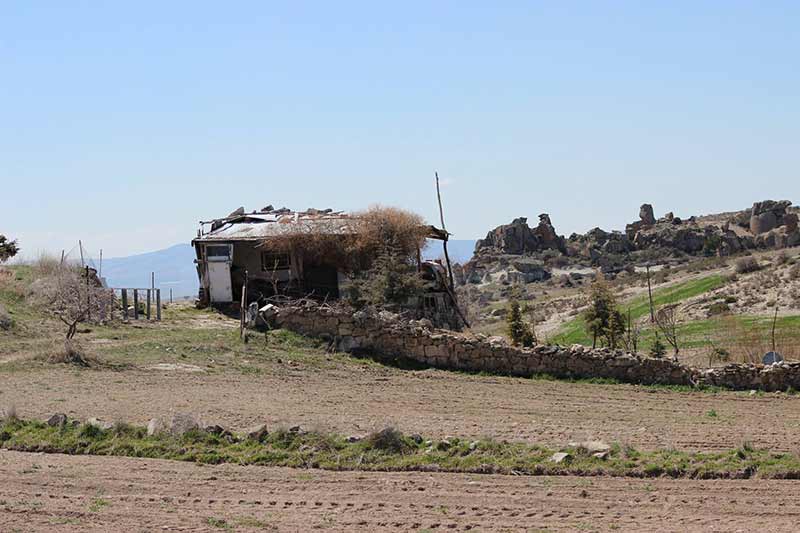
365,236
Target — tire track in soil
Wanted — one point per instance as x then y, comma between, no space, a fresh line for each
60,493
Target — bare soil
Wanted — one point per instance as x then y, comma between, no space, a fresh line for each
64,493
194,363
353,399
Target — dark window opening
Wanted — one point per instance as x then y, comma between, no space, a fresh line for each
274,261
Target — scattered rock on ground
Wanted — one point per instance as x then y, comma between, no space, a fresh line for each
591,446
57,420
183,423
257,433
560,457
98,423
156,426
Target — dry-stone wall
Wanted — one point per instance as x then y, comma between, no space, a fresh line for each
385,334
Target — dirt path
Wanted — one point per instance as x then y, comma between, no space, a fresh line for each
63,493
355,400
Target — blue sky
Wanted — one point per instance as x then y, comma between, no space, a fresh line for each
123,124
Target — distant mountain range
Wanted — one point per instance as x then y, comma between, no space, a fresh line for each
174,267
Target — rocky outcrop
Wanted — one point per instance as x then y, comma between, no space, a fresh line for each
518,238
790,221
646,219
768,215
646,215
774,225
596,244
503,268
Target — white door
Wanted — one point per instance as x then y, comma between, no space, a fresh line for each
219,281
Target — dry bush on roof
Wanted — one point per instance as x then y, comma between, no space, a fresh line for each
369,234
381,226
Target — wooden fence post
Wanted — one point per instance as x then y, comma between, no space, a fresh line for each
136,304
148,304
158,305
125,304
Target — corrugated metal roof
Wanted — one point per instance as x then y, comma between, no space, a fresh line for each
260,226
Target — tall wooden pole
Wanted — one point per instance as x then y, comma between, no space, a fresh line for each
446,235
650,294
774,323
125,304
243,308
88,296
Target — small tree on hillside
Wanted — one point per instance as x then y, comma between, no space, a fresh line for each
519,331
658,350
603,319
8,249
667,321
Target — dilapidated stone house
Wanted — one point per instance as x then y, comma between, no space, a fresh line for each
245,246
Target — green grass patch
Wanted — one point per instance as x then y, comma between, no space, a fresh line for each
390,450
574,331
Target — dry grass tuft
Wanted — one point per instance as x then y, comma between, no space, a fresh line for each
5,319
388,439
46,265
70,352
746,265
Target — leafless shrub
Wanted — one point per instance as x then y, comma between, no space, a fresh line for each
73,295
667,319
633,332
781,258
746,265
46,265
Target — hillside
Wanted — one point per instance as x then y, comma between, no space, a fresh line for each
718,307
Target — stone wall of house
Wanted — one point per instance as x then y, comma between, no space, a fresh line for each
385,334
